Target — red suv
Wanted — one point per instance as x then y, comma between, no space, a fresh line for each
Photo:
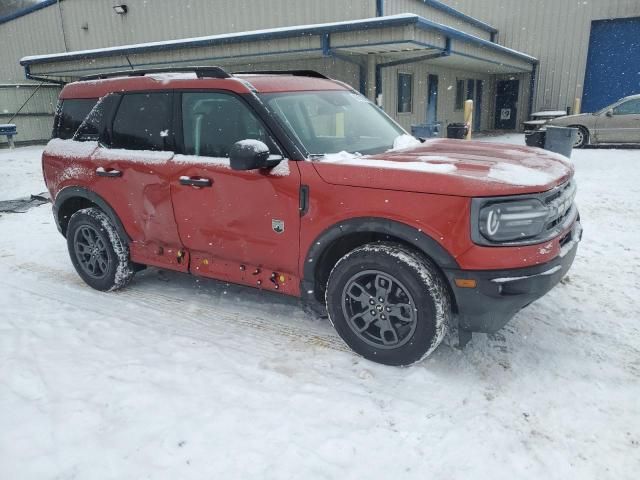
292,182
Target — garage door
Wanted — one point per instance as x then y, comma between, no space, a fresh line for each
613,66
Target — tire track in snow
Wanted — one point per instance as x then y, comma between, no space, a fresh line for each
190,317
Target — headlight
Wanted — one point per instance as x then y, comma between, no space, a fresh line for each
512,221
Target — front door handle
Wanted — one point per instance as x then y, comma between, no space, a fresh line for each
103,172
195,181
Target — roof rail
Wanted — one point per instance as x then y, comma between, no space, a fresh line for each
201,72
295,73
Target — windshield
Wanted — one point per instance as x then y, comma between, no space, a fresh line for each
334,121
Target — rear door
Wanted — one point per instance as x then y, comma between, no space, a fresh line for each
242,226
622,125
132,169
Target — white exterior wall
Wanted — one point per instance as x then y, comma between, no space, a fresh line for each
554,31
446,94
148,21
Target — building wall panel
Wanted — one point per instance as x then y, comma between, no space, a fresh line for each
33,34
392,7
166,19
554,31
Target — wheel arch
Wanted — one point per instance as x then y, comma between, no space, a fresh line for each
337,240
585,129
71,199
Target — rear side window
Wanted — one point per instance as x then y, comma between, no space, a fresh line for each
71,114
631,107
143,122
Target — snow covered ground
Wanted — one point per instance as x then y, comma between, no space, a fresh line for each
178,377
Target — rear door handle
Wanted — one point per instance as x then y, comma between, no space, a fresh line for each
102,172
195,181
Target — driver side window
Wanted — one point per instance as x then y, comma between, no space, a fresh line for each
212,122
631,107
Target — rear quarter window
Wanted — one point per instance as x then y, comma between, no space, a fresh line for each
70,115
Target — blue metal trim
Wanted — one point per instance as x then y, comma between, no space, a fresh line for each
284,33
325,42
379,8
27,11
457,13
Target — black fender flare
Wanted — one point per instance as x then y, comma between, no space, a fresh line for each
378,226
69,193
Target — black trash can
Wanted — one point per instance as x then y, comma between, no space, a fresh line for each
426,130
535,138
560,140
456,130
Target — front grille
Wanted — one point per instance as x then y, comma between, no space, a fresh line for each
560,202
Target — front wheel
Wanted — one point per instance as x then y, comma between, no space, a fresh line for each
388,303
582,138
97,252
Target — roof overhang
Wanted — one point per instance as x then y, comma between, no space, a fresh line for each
394,38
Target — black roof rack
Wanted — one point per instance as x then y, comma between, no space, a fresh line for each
201,72
295,73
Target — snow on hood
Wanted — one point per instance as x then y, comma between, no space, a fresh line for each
453,167
405,141
422,164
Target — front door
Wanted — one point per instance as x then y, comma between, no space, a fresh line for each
506,104
242,226
621,124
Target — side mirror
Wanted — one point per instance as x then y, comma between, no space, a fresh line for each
609,113
251,155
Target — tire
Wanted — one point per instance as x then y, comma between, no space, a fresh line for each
411,303
582,140
97,252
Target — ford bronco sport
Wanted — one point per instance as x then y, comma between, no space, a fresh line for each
295,183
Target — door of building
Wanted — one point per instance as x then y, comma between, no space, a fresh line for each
477,114
506,104
432,99
611,71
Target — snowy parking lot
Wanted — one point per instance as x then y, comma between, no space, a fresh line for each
180,377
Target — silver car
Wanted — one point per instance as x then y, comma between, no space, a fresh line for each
617,123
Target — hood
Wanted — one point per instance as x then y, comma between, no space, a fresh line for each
450,167
569,119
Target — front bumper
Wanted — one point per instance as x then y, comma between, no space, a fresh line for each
500,294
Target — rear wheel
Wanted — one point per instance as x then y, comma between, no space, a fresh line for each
388,303
97,252
582,138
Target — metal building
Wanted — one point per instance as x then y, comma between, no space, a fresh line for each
420,59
